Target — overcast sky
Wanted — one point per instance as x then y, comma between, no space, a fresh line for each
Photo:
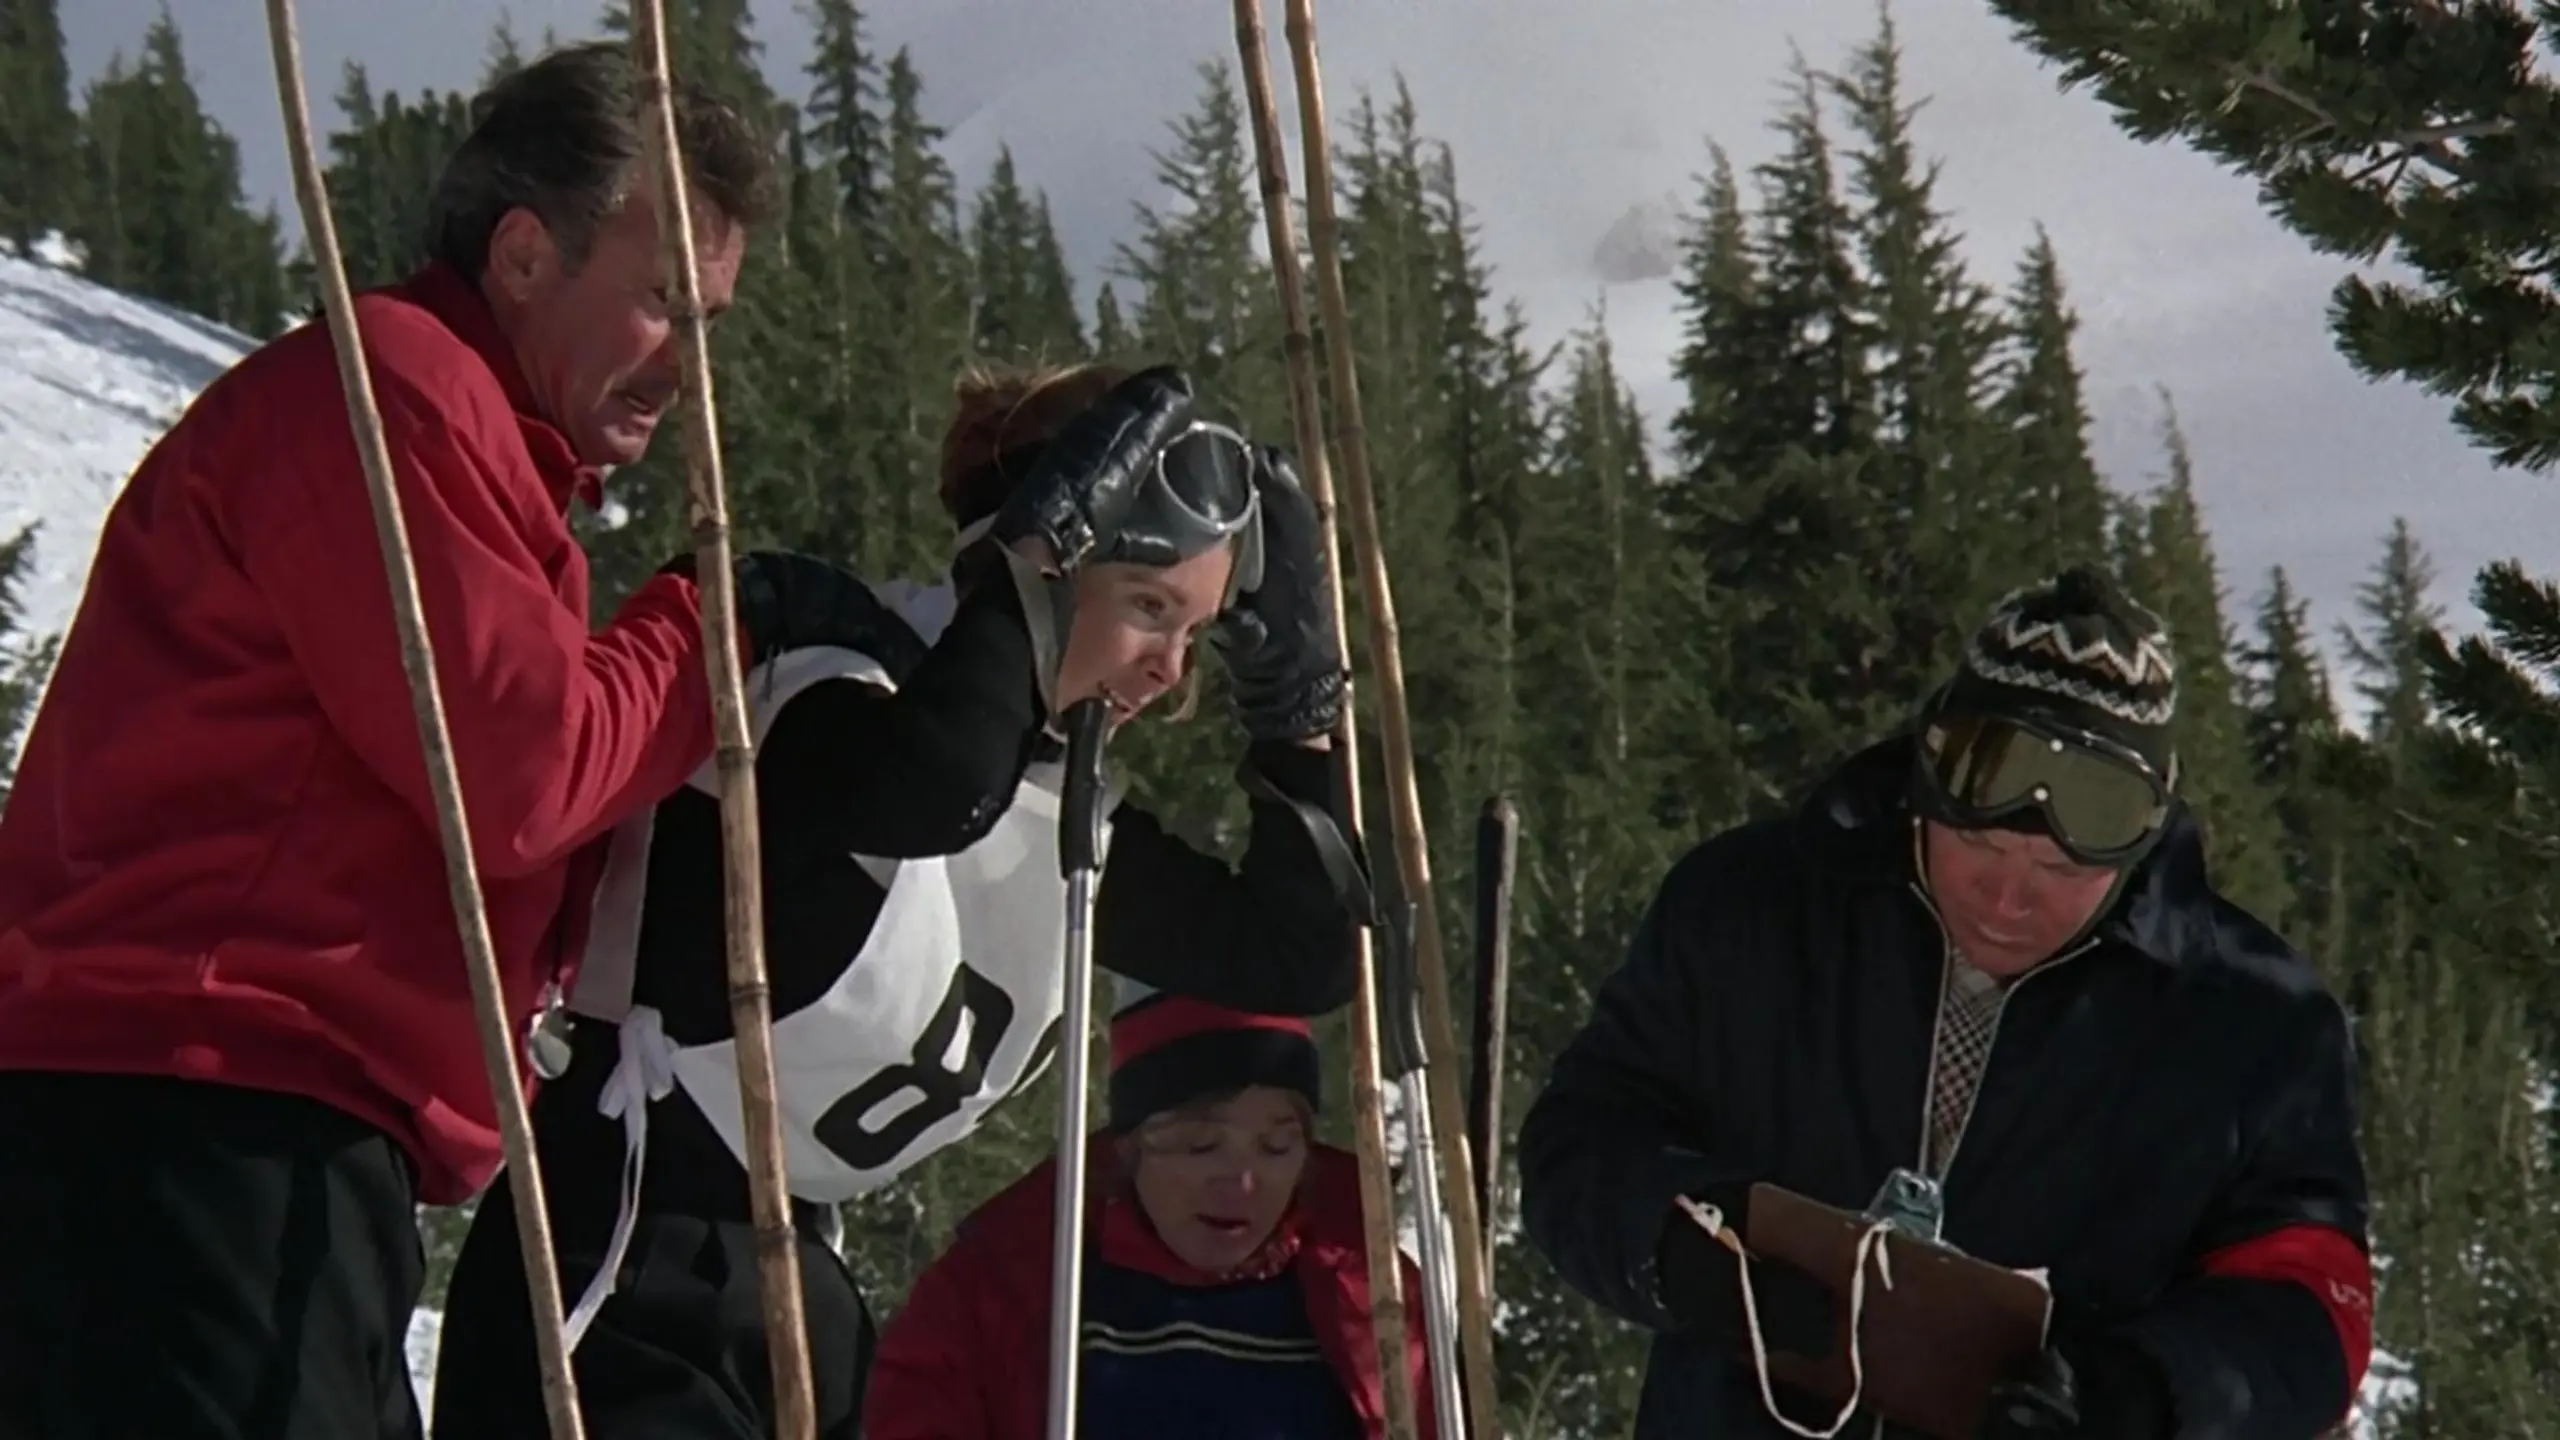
1564,115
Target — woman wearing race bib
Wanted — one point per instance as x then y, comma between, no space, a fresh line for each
908,779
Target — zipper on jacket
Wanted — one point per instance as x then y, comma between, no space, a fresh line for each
1947,960
1929,1082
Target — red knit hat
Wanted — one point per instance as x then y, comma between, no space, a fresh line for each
1169,1050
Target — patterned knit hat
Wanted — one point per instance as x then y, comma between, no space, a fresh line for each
1169,1050
2076,650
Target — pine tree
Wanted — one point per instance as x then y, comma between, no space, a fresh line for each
1598,606
2499,683
1719,361
844,93
2064,500
163,215
2294,741
39,132
1024,307
1205,302
2179,579
2393,653
923,280
1939,495
712,43
1449,438
1111,335
506,53
1815,299
1052,293
1778,495
384,161
2412,133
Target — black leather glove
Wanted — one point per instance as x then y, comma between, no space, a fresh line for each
1080,488
1282,657
1701,1283
787,600
2089,1388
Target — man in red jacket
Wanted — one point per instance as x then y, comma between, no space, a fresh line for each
236,1036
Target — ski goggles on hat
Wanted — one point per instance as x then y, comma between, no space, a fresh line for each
2102,802
1201,495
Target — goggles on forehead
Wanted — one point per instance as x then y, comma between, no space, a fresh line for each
2102,802
1202,495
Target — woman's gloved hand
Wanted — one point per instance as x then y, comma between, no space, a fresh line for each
1079,489
787,600
1284,661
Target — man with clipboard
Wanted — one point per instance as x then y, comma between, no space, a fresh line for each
1959,1099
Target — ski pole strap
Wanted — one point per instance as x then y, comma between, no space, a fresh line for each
1399,992
1343,867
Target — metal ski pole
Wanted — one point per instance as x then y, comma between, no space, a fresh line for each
1080,861
1400,1013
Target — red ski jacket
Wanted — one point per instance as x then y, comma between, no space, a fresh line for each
966,1358
221,857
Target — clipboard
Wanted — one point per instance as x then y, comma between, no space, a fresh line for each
1932,1343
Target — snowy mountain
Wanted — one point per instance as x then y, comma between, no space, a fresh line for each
88,379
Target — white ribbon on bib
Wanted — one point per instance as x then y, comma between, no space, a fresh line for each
645,1072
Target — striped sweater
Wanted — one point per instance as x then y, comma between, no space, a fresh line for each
1284,1349
1238,1360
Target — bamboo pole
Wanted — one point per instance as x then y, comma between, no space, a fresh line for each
1404,796
750,994
1368,1087
498,1037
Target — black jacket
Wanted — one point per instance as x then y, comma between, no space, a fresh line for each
2183,1088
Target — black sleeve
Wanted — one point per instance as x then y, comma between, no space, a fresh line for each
2271,1330
1271,935
1625,1123
923,770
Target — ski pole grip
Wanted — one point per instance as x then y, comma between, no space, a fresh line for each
1399,996
1080,808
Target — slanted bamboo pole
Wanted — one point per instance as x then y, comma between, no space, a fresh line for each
750,994
1368,1087
498,1038
1395,725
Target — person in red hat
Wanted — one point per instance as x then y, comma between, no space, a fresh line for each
1226,1283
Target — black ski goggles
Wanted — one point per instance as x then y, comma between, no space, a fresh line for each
2102,802
1203,494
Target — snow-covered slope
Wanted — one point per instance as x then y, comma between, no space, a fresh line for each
88,379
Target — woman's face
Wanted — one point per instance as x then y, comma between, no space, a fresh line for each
1214,1180
1134,627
